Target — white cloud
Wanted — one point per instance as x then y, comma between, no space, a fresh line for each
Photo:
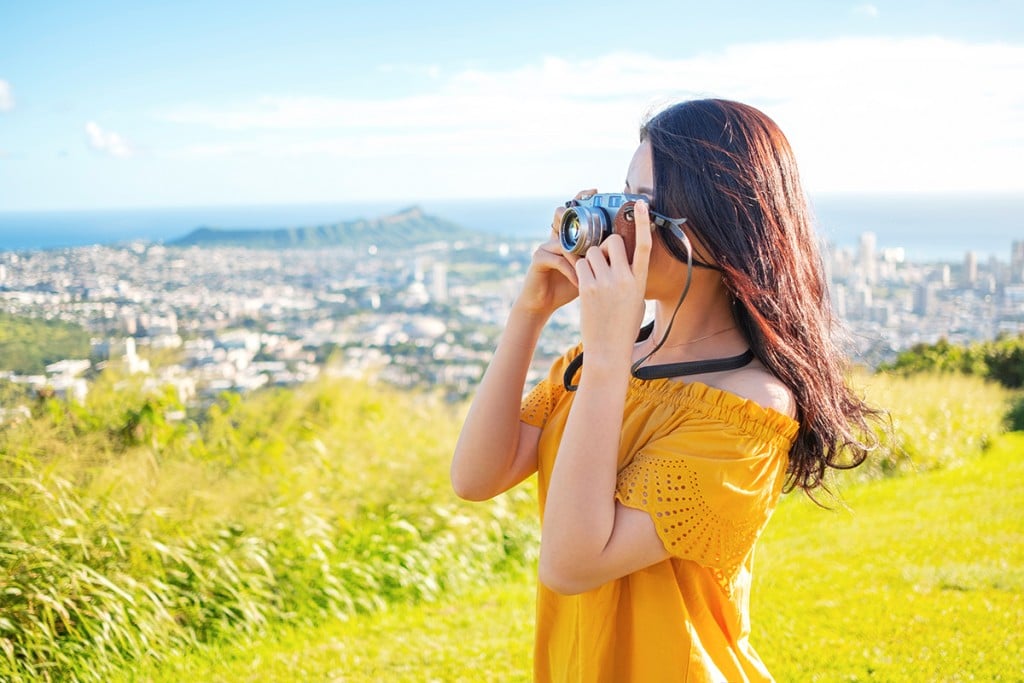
866,10
6,97
431,71
107,142
913,114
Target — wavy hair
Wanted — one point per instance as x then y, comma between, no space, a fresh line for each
730,171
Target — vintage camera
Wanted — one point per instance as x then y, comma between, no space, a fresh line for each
589,221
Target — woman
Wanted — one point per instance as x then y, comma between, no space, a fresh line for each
661,458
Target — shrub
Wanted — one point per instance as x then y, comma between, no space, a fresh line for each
937,421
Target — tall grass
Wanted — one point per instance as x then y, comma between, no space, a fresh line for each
935,421
125,536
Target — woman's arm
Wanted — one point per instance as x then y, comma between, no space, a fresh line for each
496,451
588,538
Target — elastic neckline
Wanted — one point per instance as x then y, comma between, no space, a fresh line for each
714,401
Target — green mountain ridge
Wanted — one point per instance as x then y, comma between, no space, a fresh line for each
409,226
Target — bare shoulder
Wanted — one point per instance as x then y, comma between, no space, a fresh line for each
756,384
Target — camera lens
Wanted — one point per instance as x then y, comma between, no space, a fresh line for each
583,227
571,230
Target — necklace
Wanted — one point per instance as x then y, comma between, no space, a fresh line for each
694,341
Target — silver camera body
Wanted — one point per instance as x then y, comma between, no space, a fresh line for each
589,221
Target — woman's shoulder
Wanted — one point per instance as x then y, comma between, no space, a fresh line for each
751,400
755,383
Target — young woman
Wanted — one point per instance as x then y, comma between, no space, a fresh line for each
662,456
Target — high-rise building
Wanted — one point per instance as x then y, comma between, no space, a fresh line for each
1017,261
439,282
970,275
866,257
926,298
838,292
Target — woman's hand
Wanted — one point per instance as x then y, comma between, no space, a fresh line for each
551,280
612,292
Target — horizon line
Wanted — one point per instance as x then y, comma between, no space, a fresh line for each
406,203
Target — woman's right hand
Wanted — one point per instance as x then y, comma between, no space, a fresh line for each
551,280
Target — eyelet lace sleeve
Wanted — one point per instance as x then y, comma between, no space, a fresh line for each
537,405
710,504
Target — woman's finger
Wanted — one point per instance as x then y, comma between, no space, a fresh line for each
554,245
551,260
642,250
584,273
598,262
615,249
557,220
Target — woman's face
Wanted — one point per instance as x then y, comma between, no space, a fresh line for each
665,273
640,176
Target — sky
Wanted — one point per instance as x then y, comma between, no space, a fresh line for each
161,104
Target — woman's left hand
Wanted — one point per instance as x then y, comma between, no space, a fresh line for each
612,293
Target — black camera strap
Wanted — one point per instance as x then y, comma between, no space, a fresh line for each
665,370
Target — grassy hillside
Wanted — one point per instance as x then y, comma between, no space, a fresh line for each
131,544
125,536
920,579
937,421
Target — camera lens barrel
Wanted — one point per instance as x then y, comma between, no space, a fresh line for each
584,227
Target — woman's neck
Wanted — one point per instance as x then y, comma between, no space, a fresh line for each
704,327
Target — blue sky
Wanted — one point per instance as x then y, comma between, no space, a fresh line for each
134,104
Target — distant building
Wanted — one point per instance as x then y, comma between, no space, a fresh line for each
131,359
970,274
839,300
926,299
1017,262
69,368
866,257
439,282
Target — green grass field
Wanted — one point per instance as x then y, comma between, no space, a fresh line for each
918,578
312,534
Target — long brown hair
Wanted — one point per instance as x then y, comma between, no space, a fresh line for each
730,171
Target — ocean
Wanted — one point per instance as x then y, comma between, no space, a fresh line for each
928,228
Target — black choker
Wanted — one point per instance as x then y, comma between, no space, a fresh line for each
667,370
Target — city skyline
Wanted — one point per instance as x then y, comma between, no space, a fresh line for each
238,318
113,104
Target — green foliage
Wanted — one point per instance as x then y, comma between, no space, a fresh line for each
1001,360
937,421
920,579
1015,418
28,345
126,535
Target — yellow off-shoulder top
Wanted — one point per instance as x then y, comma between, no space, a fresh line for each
709,467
